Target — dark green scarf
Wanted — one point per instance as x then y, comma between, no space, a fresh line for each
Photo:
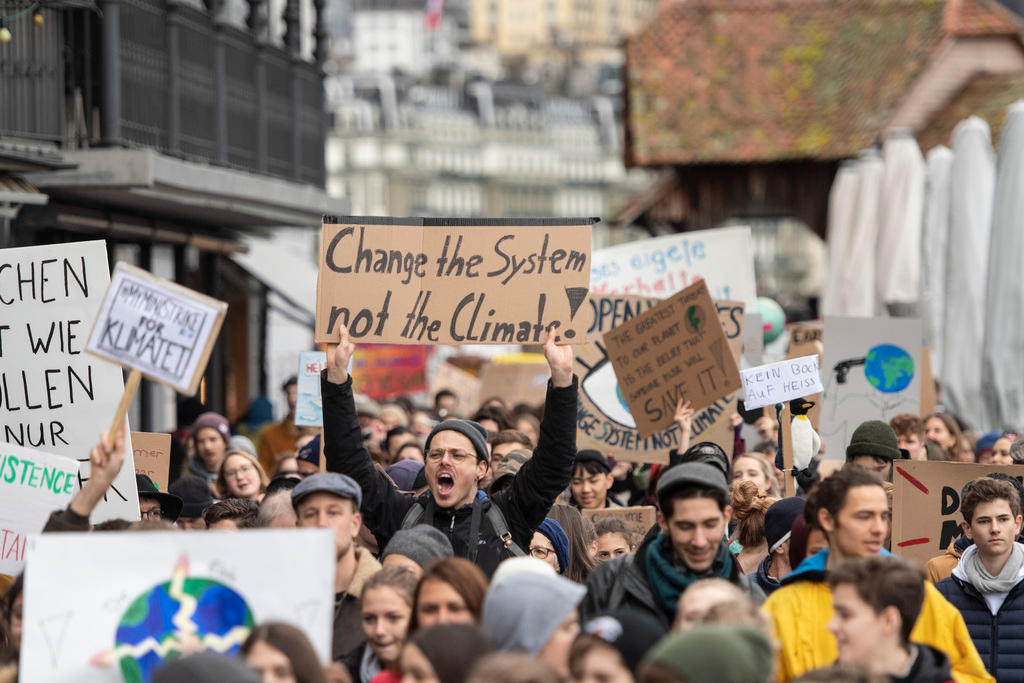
667,581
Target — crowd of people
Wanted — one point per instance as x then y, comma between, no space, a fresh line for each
464,551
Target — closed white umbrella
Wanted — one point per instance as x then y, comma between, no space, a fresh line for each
935,234
971,194
1003,357
858,273
842,201
901,207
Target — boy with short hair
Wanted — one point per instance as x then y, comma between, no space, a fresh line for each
987,585
876,601
909,430
591,480
851,508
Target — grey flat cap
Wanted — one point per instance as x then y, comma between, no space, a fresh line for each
339,484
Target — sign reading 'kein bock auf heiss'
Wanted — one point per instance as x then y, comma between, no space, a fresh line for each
453,281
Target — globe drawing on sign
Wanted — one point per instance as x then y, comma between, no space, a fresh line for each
888,368
184,615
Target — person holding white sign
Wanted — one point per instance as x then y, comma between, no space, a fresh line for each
482,529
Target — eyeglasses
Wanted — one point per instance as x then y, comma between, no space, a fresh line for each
244,469
540,552
458,455
155,513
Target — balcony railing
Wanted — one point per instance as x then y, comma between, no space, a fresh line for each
170,75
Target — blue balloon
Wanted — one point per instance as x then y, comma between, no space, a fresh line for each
889,368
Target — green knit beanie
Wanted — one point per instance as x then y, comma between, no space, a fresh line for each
876,438
711,653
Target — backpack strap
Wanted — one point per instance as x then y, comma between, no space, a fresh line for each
500,527
412,516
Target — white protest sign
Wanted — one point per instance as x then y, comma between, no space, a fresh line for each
136,597
661,266
32,485
163,330
872,372
780,382
51,393
309,408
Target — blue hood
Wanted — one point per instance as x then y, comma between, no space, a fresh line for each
813,568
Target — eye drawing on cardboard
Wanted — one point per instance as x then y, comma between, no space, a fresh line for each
181,616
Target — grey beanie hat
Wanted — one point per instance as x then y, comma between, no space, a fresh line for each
421,544
469,429
205,667
522,611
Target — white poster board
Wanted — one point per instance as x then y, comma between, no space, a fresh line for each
32,485
871,370
661,266
163,330
309,407
213,587
779,382
54,397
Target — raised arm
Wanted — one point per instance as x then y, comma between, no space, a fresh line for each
105,461
548,472
383,505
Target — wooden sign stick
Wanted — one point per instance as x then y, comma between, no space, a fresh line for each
130,387
789,476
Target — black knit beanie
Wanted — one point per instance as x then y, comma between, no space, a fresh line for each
469,429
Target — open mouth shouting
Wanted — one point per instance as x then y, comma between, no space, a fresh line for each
445,484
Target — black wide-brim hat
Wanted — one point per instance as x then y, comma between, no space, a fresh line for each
170,504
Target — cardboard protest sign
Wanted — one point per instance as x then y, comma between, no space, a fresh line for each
32,485
515,382
152,456
806,338
134,601
385,370
926,503
871,371
753,339
780,382
452,281
603,420
639,518
661,266
309,408
463,384
163,330
675,350
929,398
51,392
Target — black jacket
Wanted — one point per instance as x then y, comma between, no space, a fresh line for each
999,637
930,666
524,504
622,582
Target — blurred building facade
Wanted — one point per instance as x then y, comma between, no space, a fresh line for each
488,150
501,109
183,134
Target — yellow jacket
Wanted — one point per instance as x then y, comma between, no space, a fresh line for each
801,609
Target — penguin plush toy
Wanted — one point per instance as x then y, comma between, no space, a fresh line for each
806,442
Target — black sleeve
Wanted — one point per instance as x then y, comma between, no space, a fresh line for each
545,475
599,584
383,505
